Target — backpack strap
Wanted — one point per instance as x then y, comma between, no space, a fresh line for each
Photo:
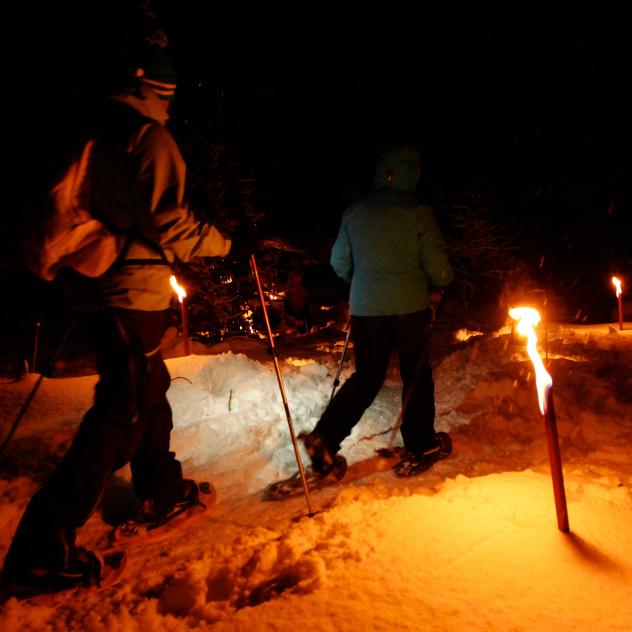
135,235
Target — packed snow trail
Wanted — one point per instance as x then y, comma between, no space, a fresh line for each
471,544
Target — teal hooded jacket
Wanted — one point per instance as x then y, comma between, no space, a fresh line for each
389,246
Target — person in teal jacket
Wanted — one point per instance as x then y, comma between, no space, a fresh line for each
391,251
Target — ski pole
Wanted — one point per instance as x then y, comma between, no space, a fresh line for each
47,371
35,343
255,273
342,359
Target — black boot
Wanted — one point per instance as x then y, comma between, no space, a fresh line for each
320,455
83,568
413,463
195,496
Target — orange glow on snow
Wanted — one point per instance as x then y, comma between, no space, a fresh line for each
617,284
177,288
528,318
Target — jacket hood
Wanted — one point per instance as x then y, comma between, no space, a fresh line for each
399,168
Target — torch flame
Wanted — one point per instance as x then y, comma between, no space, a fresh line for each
177,288
528,318
617,284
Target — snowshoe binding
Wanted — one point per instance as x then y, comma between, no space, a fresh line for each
325,470
87,570
293,486
151,526
413,463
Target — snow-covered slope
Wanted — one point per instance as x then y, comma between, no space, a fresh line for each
470,545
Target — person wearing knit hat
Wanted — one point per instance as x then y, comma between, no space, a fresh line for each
129,175
153,84
157,72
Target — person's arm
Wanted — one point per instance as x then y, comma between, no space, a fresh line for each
432,255
159,190
341,257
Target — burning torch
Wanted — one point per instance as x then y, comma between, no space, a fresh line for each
617,285
179,290
528,318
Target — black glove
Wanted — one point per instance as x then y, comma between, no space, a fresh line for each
244,242
438,298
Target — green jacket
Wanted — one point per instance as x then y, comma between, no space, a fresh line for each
389,246
135,184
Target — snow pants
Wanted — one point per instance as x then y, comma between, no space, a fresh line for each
374,338
130,421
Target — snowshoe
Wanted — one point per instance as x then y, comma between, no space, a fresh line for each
149,526
413,463
89,570
293,486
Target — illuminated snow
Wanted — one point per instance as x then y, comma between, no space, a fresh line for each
470,545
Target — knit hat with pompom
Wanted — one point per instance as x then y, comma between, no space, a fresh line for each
158,73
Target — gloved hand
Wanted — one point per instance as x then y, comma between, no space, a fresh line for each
436,298
244,241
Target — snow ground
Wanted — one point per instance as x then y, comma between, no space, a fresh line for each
470,545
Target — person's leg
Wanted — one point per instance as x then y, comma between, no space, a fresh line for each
417,427
156,474
373,339
105,440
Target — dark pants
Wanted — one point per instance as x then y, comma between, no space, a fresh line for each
374,338
129,421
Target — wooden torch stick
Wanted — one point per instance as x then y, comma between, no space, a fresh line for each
553,444
185,327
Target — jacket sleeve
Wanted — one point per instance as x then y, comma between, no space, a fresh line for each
159,190
432,255
341,258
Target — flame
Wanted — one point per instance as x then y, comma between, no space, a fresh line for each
462,335
617,284
528,318
177,288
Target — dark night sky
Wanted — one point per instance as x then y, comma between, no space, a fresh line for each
522,98
513,91
517,98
